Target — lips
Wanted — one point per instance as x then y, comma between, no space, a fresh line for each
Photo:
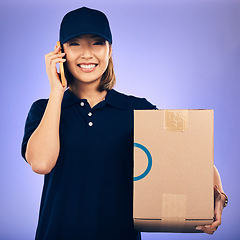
87,67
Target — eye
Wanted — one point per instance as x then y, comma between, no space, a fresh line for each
73,44
102,42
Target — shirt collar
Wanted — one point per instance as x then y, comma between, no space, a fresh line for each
113,98
69,99
116,99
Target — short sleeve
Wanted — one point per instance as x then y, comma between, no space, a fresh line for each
141,103
148,105
33,119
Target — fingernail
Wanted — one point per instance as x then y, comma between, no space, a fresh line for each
207,226
198,228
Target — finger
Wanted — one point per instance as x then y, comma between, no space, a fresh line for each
199,228
49,59
209,229
56,50
53,54
57,60
52,68
58,55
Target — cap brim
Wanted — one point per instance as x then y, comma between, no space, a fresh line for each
83,33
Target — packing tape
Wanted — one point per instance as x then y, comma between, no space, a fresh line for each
174,207
175,120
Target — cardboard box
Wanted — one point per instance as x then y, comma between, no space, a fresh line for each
173,170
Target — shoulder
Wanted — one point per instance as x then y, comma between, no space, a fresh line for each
40,103
38,107
140,103
131,101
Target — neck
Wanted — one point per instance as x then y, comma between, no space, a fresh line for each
89,92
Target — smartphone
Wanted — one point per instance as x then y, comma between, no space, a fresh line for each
61,69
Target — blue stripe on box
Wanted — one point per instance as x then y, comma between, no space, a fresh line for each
145,173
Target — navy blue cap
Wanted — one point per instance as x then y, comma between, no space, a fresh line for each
84,21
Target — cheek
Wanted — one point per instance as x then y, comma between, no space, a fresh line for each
69,57
104,54
101,51
70,54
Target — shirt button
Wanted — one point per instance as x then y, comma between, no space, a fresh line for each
82,104
89,114
90,124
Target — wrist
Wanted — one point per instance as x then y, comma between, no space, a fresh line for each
57,94
224,199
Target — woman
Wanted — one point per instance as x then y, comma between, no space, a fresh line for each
82,139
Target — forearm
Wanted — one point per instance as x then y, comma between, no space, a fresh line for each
218,183
44,145
217,180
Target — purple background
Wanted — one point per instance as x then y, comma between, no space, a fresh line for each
176,53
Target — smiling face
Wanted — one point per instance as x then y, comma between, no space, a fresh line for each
87,58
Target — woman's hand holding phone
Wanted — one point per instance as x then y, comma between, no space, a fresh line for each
42,152
61,68
51,60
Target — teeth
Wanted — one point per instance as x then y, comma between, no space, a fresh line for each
88,66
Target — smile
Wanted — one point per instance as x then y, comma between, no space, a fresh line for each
87,67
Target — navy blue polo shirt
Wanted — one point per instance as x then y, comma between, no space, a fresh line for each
88,195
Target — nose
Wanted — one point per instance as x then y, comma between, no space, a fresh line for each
86,53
